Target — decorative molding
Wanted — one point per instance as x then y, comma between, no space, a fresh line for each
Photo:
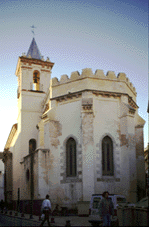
107,94
67,96
132,111
72,95
43,70
132,103
25,67
31,61
87,104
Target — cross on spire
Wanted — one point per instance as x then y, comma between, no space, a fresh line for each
33,30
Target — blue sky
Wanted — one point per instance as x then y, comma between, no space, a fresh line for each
108,35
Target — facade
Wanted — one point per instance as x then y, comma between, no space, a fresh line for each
74,136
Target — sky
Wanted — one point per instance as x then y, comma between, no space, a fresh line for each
111,35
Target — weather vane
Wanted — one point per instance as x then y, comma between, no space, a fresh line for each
33,29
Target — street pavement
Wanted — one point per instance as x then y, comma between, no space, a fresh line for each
12,220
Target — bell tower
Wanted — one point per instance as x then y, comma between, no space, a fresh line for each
32,71
34,74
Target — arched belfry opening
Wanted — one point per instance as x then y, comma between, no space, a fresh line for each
36,80
32,145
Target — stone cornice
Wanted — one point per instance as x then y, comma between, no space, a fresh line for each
10,137
25,62
44,70
31,61
132,103
26,67
70,95
107,94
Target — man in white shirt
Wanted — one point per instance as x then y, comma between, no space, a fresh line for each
46,209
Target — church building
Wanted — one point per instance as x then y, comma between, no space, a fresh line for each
74,137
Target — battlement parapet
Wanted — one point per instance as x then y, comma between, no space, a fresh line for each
99,74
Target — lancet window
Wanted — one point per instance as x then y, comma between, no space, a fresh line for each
107,157
71,158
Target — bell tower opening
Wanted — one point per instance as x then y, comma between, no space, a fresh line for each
36,80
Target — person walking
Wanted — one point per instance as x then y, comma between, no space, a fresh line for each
46,210
106,209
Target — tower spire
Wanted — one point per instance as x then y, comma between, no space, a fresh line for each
33,51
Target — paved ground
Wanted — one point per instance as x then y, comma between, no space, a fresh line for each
12,220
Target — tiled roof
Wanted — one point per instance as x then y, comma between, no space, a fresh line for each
33,51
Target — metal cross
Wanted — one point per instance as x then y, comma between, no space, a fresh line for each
33,29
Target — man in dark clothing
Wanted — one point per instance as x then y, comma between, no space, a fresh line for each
46,209
106,209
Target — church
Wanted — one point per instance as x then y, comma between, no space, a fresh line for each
74,137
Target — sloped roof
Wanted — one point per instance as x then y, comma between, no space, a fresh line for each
34,51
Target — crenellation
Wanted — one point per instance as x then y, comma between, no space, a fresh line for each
128,81
131,85
122,76
111,75
75,75
55,81
134,89
64,78
99,75
87,72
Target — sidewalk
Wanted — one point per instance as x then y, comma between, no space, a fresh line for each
59,220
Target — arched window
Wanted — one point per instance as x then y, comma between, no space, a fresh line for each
36,80
107,157
71,158
32,145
